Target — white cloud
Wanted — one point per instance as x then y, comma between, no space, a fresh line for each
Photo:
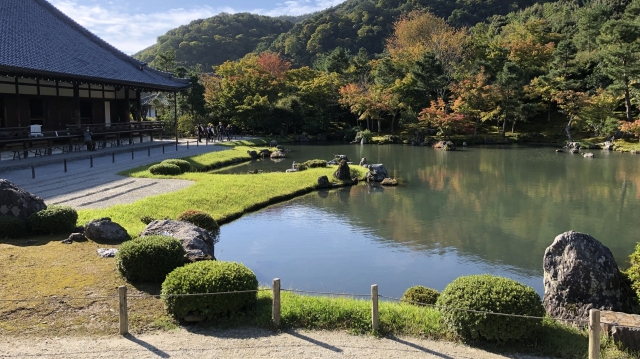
299,7
132,32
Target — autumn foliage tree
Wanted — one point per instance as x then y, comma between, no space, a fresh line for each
438,116
367,101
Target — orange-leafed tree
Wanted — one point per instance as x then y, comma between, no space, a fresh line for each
438,116
273,64
475,98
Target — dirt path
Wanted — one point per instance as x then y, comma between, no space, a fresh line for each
239,343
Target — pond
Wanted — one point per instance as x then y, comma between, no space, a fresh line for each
479,210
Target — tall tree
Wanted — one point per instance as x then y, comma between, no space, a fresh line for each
620,48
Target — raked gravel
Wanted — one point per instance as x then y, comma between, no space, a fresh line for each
239,343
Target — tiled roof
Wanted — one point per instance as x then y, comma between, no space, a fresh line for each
37,38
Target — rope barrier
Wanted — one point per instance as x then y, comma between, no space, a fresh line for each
482,312
158,296
325,293
51,299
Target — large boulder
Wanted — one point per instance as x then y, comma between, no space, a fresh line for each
608,146
323,182
445,145
343,172
16,202
103,230
377,173
581,274
197,242
253,154
278,154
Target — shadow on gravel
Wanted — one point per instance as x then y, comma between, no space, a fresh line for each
315,342
421,348
147,346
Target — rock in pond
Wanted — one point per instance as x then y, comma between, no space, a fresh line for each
104,231
580,274
253,154
278,154
377,173
197,242
16,202
389,182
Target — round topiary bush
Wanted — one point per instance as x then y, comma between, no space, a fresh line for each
200,219
185,166
12,227
491,294
149,258
166,169
53,220
421,294
209,277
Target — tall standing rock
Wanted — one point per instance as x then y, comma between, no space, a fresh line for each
16,202
343,172
581,274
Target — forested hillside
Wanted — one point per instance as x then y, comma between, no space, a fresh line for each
217,39
351,25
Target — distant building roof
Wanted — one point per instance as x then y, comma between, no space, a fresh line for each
38,39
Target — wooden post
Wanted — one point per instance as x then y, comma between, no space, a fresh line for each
594,334
275,312
124,316
375,320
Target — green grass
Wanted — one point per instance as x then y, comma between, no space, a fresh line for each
224,196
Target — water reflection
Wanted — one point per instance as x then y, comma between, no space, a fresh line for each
474,211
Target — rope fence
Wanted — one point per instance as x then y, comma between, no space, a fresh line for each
594,322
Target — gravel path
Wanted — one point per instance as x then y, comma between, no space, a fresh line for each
83,186
238,343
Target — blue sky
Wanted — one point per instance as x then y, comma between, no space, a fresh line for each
132,25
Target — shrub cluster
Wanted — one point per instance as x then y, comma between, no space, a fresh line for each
149,258
166,169
310,164
12,227
421,294
491,294
53,220
209,277
200,219
185,166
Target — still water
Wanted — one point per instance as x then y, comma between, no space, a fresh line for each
479,210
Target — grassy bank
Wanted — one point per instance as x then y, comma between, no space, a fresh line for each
223,196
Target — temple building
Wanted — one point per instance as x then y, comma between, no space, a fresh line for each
55,73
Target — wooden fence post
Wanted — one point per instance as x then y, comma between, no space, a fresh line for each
275,312
124,316
594,334
375,320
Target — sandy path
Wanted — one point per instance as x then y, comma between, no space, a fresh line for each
239,343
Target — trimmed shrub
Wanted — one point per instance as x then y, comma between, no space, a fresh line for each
315,163
12,227
200,219
166,169
209,277
492,294
185,166
149,258
421,294
53,220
